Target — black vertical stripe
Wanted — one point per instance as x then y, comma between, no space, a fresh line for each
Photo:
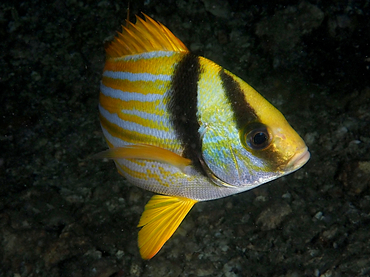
183,106
243,112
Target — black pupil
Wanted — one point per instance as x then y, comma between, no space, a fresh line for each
259,138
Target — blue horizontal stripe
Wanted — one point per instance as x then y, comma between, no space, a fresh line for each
136,76
147,55
129,96
135,127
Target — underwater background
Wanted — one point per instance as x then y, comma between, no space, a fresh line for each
62,214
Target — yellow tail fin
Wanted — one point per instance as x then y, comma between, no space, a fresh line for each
160,219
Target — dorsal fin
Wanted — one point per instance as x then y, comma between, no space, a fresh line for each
144,36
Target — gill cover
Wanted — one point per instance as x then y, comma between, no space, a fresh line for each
218,158
229,157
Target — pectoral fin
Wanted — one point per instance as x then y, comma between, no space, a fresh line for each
160,219
145,152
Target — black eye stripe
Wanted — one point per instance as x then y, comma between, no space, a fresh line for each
243,112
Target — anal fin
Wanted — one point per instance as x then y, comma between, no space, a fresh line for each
160,219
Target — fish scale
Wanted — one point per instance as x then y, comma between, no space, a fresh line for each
145,90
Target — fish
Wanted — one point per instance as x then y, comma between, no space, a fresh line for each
185,128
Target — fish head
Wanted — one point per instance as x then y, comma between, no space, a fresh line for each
255,151
260,152
275,144
273,141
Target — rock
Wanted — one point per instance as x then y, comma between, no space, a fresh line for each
272,216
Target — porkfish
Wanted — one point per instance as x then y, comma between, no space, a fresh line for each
185,128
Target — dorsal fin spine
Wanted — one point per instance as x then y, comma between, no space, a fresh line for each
144,36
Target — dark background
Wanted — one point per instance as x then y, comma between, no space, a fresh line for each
62,214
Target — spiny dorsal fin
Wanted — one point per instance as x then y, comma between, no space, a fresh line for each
160,219
144,36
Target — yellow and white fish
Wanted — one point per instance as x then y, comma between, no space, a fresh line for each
183,127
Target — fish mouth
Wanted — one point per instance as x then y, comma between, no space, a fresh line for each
299,159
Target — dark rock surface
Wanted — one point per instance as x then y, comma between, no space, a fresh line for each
62,214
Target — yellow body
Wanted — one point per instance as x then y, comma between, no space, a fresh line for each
184,127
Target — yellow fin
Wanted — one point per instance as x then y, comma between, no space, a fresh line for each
160,219
144,36
145,152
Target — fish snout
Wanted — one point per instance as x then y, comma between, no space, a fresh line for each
299,159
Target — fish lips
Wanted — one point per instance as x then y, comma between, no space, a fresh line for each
299,159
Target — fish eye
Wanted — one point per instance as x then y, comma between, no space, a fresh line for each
256,136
